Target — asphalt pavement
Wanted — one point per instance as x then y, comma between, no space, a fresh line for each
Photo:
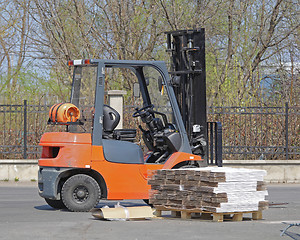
25,215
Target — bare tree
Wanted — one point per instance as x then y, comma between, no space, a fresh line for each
255,33
241,37
15,26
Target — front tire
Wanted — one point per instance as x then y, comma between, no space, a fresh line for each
80,193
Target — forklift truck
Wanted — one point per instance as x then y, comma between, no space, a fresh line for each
77,169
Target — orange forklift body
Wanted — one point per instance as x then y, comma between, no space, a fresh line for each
122,181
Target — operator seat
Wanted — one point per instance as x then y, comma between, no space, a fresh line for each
111,119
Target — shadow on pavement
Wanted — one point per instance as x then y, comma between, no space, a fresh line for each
45,208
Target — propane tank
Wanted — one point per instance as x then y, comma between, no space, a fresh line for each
64,113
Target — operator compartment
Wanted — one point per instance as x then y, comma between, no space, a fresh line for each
147,119
161,138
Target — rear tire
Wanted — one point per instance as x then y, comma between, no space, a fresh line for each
80,193
56,204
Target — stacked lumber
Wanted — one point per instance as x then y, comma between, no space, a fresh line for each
209,189
178,189
241,188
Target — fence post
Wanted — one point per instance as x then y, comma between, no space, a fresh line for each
25,130
211,145
218,144
287,131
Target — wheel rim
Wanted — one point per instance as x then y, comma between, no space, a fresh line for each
80,194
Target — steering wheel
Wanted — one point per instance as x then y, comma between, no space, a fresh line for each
141,112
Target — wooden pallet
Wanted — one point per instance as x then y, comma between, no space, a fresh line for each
216,217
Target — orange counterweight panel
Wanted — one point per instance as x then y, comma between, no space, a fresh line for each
71,150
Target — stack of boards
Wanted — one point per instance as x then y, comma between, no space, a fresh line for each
211,189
